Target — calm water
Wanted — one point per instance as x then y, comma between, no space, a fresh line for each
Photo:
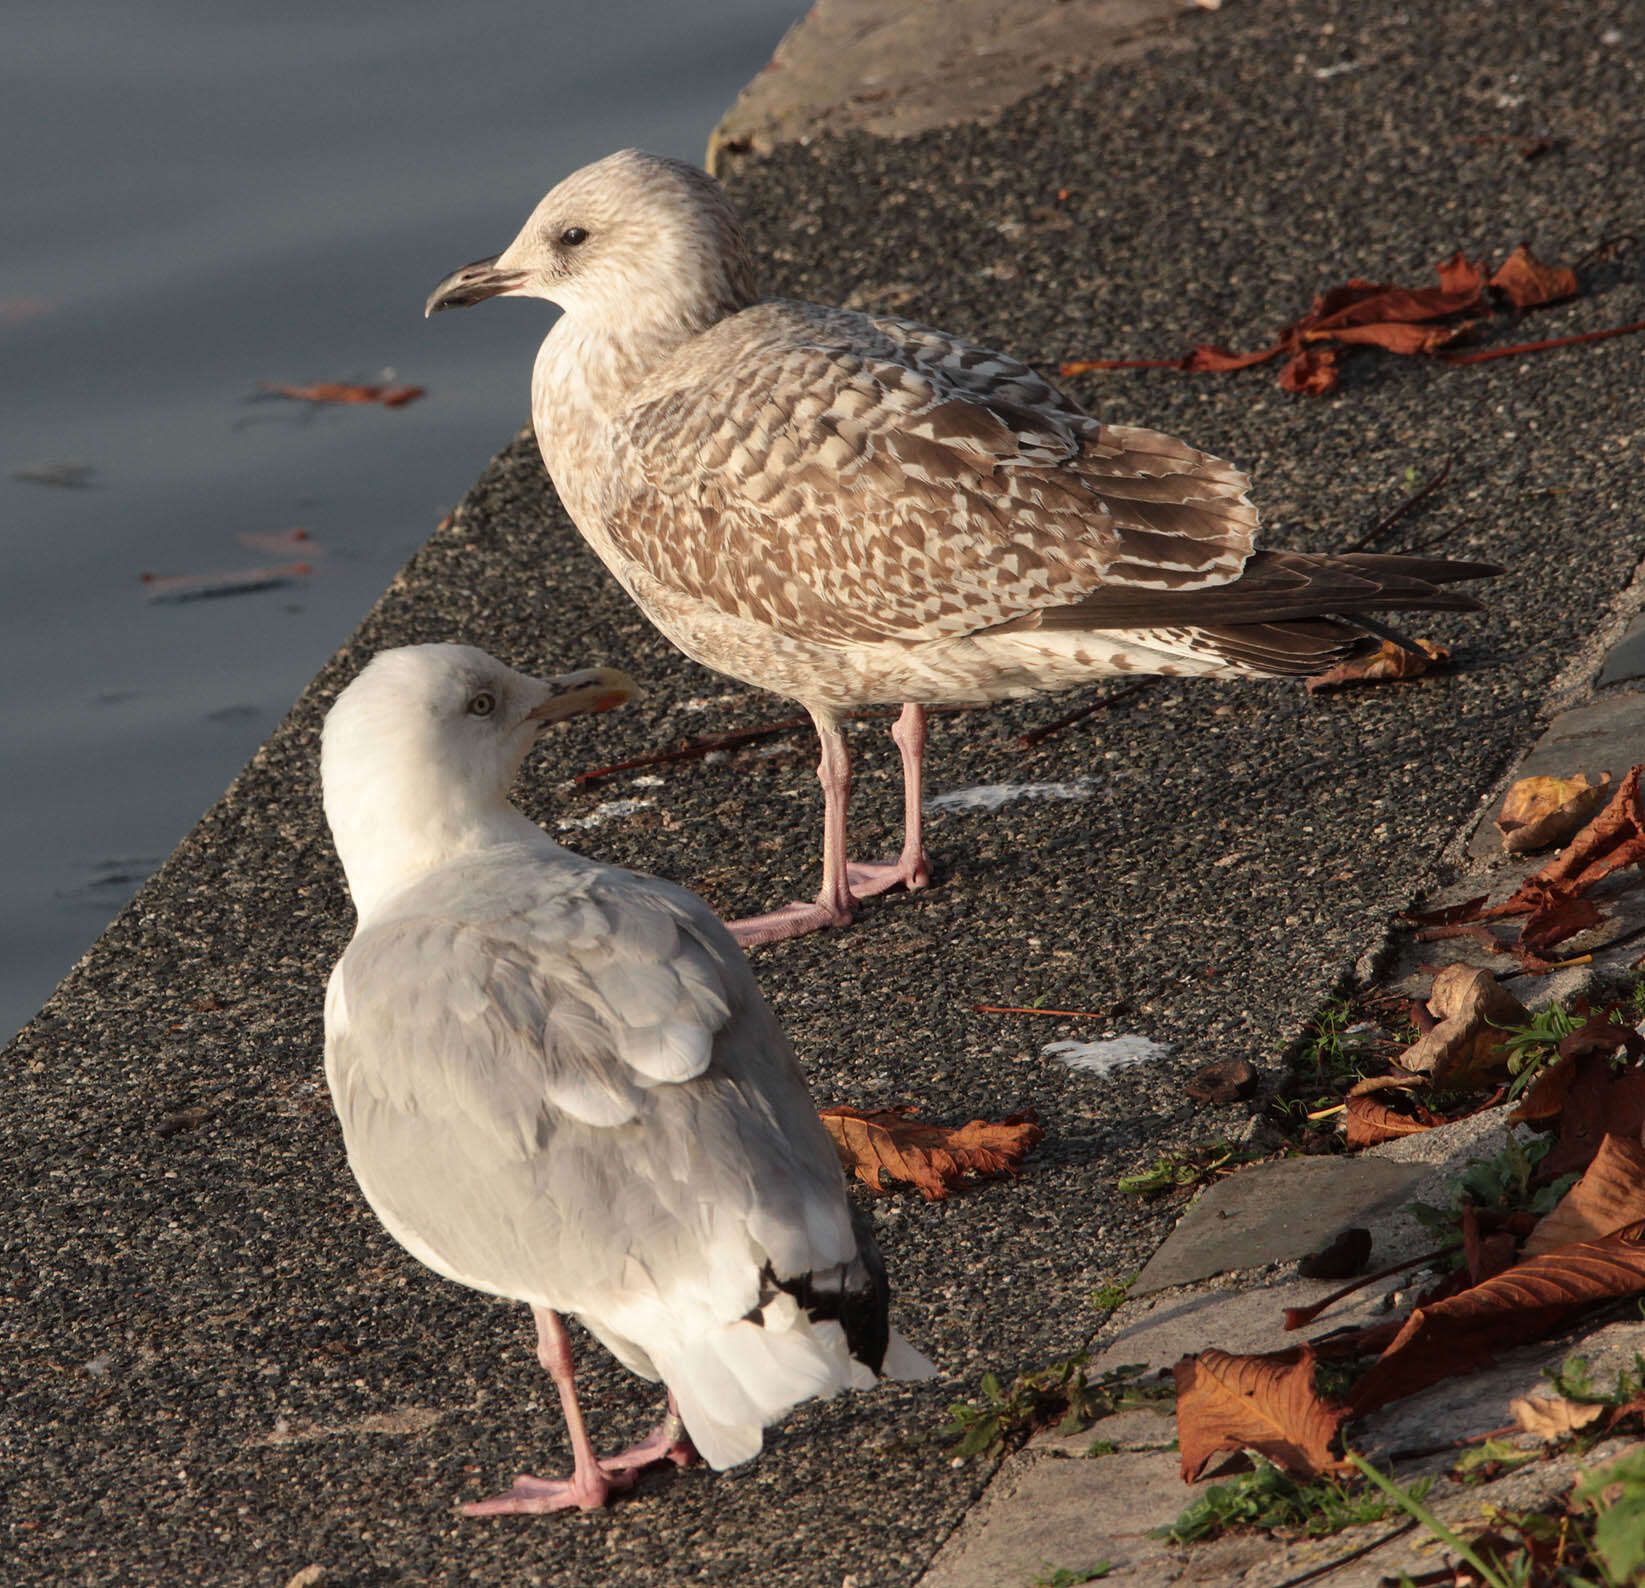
200,197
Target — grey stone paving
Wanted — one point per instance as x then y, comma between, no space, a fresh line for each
219,1370
1274,1215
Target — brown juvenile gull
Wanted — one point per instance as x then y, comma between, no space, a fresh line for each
856,510
558,1082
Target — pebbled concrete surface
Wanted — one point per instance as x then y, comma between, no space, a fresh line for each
219,1371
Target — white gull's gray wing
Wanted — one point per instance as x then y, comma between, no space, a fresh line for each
561,1084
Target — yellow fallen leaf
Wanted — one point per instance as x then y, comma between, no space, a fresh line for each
1550,1417
1542,812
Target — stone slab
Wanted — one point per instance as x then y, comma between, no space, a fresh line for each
1273,1212
1625,661
899,67
1141,1428
1043,1512
1155,1329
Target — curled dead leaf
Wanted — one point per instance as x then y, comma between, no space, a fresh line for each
1467,1046
1388,662
1369,1121
1542,812
1263,1403
934,1159
1598,1103
1312,370
1528,283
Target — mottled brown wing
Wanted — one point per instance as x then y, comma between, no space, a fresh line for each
810,470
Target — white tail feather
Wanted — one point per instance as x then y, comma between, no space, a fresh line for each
733,1381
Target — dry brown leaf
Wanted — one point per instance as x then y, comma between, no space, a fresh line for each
1461,274
1598,1103
1556,914
1313,370
1410,320
1485,1255
1219,359
1263,1403
1369,1121
1541,812
934,1159
1523,1303
1388,662
336,391
1367,303
1610,1194
1528,283
1395,336
1551,1416
1467,1046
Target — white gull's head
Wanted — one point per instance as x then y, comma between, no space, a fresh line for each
633,238
418,753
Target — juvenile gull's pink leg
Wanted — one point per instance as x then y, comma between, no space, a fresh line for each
590,1485
843,884
911,868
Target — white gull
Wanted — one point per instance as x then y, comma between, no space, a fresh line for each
558,1082
853,509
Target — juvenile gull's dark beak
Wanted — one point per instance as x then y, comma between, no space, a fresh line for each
472,284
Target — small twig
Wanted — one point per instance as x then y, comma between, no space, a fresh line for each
1548,966
1420,1452
1604,246
1014,1009
1034,736
694,748
1539,347
1388,520
1300,1317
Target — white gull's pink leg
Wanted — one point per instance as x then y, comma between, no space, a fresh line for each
668,1441
590,1485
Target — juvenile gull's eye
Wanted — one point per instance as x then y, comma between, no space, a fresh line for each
573,235
483,704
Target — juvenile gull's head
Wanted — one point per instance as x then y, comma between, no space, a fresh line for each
633,238
417,755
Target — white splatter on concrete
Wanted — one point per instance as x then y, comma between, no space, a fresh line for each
1107,1054
990,796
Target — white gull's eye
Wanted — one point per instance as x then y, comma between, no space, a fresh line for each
483,704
